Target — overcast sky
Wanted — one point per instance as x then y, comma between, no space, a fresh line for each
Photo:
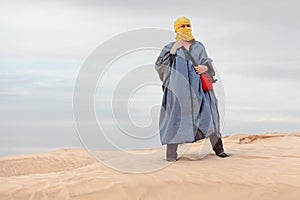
254,45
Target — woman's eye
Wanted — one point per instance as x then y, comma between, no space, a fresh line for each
185,25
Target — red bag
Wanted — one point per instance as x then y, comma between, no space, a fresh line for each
207,82
206,79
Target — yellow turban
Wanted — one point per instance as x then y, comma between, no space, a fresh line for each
183,33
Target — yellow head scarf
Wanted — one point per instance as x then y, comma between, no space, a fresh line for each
183,33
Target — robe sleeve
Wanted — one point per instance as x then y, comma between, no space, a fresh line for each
205,60
204,57
164,63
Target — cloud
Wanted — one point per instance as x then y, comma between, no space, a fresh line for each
43,44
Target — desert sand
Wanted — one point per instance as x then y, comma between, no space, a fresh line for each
260,167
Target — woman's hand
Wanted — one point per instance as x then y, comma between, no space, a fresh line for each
176,46
200,69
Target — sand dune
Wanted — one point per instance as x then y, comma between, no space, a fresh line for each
260,167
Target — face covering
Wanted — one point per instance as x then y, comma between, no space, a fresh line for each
182,31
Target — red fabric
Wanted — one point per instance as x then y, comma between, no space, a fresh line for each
207,82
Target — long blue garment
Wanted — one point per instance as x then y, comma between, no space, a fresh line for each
187,112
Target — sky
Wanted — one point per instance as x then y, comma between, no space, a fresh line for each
43,45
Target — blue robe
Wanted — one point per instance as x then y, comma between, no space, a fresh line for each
187,113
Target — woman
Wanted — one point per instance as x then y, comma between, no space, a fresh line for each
187,113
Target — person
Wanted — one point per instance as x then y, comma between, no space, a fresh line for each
187,113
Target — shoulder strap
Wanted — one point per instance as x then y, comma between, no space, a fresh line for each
210,71
189,56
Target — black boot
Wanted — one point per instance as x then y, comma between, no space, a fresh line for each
218,146
223,155
172,152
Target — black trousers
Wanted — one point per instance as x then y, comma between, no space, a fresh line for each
215,141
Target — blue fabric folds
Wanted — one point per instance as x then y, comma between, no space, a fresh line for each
187,112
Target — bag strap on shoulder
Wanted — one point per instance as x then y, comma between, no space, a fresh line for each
210,71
